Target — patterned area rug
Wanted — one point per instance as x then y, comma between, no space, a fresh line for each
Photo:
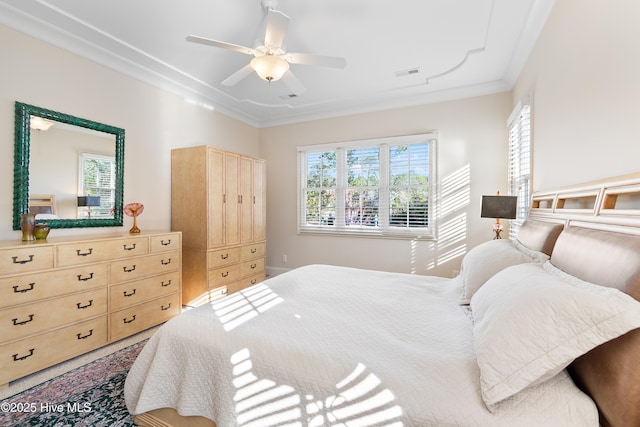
91,395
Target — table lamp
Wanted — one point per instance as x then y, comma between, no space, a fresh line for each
88,201
498,207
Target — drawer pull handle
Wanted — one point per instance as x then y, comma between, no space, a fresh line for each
84,337
254,281
24,322
129,321
16,358
129,270
80,307
225,274
22,291
165,308
129,248
253,266
254,250
129,294
89,252
164,285
224,291
167,243
84,279
22,261
165,262
224,256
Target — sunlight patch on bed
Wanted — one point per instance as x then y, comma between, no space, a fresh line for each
242,306
360,400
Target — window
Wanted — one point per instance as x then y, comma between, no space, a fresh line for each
98,178
381,187
520,162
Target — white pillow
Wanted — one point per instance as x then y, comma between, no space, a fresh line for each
530,324
488,258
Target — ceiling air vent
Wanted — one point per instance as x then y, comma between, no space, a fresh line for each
408,72
291,95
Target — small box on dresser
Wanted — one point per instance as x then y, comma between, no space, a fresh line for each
64,297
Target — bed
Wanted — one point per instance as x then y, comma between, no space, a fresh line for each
542,330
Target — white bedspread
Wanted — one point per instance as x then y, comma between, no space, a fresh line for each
323,345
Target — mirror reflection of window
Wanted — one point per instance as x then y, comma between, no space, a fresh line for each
97,179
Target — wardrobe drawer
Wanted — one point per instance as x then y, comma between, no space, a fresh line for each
79,253
137,268
223,257
165,243
223,275
28,355
249,268
25,259
256,250
28,288
20,321
131,293
143,316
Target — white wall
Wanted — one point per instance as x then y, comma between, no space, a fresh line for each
155,121
472,148
584,80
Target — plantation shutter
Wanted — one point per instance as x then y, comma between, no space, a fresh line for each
520,163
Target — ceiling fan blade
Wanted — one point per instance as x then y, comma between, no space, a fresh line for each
238,75
293,83
308,59
223,45
277,23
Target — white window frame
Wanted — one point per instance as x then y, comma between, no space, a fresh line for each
104,203
520,162
383,229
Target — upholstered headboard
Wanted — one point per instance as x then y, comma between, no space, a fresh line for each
600,243
539,235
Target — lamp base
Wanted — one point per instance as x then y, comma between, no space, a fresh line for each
497,229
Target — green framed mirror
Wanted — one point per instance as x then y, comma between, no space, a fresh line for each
61,166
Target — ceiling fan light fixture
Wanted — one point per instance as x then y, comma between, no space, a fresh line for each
269,67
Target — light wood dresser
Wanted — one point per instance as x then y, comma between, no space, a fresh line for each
63,297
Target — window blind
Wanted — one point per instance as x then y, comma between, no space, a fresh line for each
381,187
519,172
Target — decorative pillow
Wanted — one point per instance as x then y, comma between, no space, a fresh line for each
530,324
488,258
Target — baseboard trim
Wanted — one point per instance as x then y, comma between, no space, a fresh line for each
274,271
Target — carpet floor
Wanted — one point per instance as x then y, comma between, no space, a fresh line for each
91,395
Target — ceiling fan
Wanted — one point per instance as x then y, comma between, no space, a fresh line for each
271,61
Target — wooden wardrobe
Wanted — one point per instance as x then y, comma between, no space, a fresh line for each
218,202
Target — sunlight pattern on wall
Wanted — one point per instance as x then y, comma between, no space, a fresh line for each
241,306
361,401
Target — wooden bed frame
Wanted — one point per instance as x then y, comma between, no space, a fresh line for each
610,374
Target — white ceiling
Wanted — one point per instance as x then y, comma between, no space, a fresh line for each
460,48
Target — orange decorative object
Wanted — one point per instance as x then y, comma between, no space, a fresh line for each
134,209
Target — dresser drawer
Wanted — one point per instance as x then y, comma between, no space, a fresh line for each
256,250
131,293
251,280
221,276
79,253
137,268
223,257
28,355
249,268
165,243
20,321
25,259
28,288
143,316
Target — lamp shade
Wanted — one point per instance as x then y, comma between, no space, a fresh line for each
499,207
88,200
270,67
